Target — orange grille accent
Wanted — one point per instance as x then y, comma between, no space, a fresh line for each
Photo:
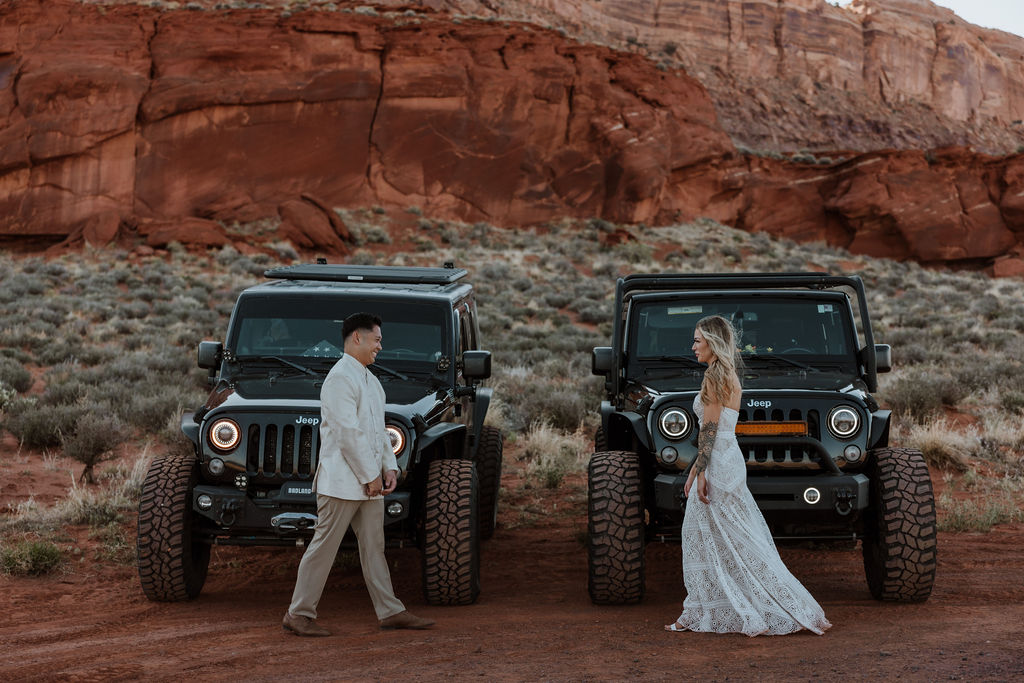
762,428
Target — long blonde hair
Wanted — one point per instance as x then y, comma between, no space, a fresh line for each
721,378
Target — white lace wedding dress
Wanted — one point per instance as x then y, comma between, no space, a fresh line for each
735,580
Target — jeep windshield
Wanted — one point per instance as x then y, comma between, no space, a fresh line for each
289,331
784,341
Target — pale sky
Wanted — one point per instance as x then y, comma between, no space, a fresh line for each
1005,15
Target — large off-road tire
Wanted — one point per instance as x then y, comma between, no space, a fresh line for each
172,561
899,527
488,471
600,442
615,529
451,540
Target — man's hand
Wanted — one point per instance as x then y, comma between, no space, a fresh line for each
374,488
390,481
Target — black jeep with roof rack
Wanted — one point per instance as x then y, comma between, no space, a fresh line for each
816,442
256,439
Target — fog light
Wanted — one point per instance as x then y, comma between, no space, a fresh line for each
216,467
852,453
204,502
669,455
812,495
394,509
241,482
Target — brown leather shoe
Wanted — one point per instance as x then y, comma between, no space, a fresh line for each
406,619
303,626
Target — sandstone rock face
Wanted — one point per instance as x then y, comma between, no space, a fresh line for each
231,115
128,122
793,74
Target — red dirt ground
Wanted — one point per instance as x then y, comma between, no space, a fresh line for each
533,620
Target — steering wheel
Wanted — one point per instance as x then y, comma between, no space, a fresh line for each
797,349
400,351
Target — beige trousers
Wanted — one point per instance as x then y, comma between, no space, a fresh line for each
334,516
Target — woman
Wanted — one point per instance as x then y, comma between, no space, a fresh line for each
735,580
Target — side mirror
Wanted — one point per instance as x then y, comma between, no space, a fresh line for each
883,358
476,364
209,354
601,360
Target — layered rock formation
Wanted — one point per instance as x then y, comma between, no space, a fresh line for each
792,74
126,121
232,116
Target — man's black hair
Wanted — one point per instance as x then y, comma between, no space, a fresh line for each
359,321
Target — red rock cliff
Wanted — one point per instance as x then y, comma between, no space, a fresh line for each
794,74
124,119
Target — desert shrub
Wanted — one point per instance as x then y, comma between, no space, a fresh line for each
975,515
115,545
972,375
58,350
552,453
97,432
151,409
1012,401
14,374
7,394
38,425
921,394
942,444
588,311
532,398
29,557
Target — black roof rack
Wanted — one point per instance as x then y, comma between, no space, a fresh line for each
684,281
339,272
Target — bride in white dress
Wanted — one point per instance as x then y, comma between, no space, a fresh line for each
735,580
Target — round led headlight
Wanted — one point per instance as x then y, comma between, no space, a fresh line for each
811,495
843,422
397,437
225,434
394,509
216,467
852,453
669,455
204,502
674,423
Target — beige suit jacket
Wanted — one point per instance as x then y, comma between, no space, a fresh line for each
354,446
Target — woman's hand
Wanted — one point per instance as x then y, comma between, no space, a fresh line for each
689,483
702,488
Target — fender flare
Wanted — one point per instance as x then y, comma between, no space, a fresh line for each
453,433
190,428
624,430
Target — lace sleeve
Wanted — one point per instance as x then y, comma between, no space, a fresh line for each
705,442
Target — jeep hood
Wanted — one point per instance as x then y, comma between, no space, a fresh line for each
754,379
299,391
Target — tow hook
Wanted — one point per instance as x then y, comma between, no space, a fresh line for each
227,512
844,500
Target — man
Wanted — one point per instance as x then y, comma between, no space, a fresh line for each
356,470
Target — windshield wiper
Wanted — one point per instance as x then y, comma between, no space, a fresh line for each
781,359
389,371
689,360
277,359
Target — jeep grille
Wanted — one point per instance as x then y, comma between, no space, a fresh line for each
765,457
282,450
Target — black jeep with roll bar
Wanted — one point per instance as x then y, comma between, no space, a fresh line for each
255,441
816,442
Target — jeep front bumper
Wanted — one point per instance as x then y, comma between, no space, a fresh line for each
842,494
284,514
